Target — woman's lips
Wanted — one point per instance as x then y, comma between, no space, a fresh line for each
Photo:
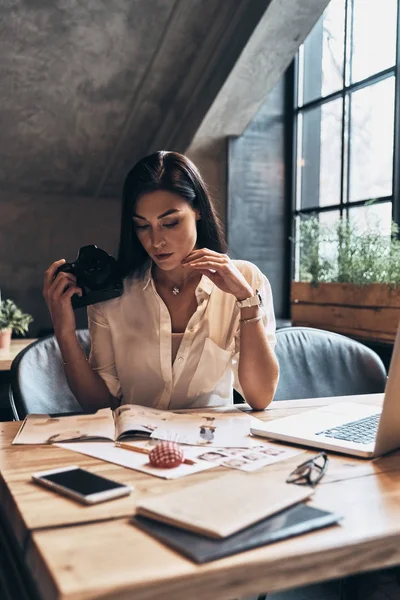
163,256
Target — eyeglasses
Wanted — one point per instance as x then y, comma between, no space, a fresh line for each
310,472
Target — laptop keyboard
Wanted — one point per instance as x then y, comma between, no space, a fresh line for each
362,431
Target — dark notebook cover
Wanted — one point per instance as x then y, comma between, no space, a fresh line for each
290,522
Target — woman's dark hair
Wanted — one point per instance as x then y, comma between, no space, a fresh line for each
174,173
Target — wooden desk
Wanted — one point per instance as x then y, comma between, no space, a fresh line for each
7,356
75,552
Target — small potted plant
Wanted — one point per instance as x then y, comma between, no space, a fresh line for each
348,279
12,319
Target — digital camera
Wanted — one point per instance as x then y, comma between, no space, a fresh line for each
96,274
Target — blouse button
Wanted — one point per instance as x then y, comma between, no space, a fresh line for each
180,359
191,329
200,290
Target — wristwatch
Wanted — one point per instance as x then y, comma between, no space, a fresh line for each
255,300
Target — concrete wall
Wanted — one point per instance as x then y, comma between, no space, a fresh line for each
36,230
256,219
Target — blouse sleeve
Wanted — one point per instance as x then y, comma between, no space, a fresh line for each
101,357
259,282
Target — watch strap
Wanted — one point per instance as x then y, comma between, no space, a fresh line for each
255,300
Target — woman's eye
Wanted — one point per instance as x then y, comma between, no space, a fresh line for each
141,226
170,225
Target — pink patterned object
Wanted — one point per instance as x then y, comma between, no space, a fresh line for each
166,455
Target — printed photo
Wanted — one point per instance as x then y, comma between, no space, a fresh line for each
234,463
252,456
271,451
213,456
235,451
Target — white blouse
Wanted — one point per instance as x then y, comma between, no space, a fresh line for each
132,344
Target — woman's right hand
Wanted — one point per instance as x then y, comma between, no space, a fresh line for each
58,291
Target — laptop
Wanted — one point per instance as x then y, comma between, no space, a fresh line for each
345,426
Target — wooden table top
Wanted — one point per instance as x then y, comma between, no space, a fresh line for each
75,551
7,356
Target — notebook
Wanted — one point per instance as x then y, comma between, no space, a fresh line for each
291,522
220,507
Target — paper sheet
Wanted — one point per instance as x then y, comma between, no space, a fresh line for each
249,459
244,459
134,460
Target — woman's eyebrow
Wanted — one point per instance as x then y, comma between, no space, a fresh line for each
168,212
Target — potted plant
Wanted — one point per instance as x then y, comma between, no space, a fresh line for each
12,319
348,279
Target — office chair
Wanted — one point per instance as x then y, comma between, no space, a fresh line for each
315,364
37,380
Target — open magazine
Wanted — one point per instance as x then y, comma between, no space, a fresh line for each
209,427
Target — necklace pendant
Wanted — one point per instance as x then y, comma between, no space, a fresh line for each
175,290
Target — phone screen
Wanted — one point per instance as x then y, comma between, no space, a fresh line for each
83,482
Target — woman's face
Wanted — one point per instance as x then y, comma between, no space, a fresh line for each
166,227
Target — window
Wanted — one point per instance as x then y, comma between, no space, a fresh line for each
345,115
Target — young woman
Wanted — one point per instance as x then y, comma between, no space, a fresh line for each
190,324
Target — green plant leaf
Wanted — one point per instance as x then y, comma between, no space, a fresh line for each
12,317
345,254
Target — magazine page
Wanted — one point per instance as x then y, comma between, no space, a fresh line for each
195,428
43,429
206,430
132,420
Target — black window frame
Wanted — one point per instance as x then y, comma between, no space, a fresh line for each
291,146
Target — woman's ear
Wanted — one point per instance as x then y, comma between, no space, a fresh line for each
198,216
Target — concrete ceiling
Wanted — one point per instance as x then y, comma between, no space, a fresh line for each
88,87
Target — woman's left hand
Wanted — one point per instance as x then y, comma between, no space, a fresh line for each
221,270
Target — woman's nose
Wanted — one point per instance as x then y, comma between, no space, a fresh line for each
158,242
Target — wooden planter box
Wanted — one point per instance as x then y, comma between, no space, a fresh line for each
370,311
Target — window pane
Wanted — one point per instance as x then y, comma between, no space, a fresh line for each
317,248
323,53
320,164
371,141
374,37
373,217
329,247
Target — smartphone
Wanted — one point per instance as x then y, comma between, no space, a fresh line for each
81,485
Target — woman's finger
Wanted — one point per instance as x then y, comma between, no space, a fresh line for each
203,259
49,274
65,276
210,264
61,285
202,252
73,289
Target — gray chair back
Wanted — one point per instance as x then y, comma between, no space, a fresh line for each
315,363
37,380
